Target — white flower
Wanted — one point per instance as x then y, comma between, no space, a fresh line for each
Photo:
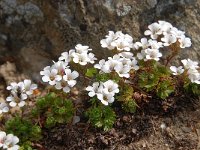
9,141
124,42
50,75
169,39
105,98
185,42
2,138
109,66
189,64
165,26
141,55
106,43
110,87
154,44
94,89
117,40
154,30
144,44
91,58
82,57
68,80
60,66
153,54
20,92
105,92
127,55
123,71
15,100
194,76
177,33
3,108
62,85
100,65
27,87
133,64
82,49
70,77
13,87
177,71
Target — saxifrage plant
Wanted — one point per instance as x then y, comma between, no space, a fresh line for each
141,68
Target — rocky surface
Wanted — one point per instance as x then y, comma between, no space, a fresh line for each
33,32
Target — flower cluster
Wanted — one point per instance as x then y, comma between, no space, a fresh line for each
8,141
121,63
60,76
168,34
191,67
149,49
105,91
19,93
117,40
79,55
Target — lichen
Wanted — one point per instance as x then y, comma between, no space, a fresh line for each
28,12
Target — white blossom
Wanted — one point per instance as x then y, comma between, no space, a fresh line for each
105,98
189,64
19,92
185,42
194,76
79,48
104,91
82,56
94,89
144,44
81,59
9,141
169,39
3,107
68,81
106,43
27,87
117,40
66,57
177,70
123,71
167,33
154,30
153,54
50,75
110,87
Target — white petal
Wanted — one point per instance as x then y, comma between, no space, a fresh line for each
12,104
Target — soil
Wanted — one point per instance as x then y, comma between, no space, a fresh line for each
150,128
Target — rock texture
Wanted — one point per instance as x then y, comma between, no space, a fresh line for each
33,32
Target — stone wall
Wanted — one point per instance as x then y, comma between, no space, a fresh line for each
33,32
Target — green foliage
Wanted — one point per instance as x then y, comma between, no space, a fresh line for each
126,97
129,106
148,81
157,79
103,77
164,89
91,72
108,76
192,88
25,130
54,109
26,146
101,117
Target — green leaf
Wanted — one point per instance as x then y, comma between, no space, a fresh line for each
101,116
91,72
